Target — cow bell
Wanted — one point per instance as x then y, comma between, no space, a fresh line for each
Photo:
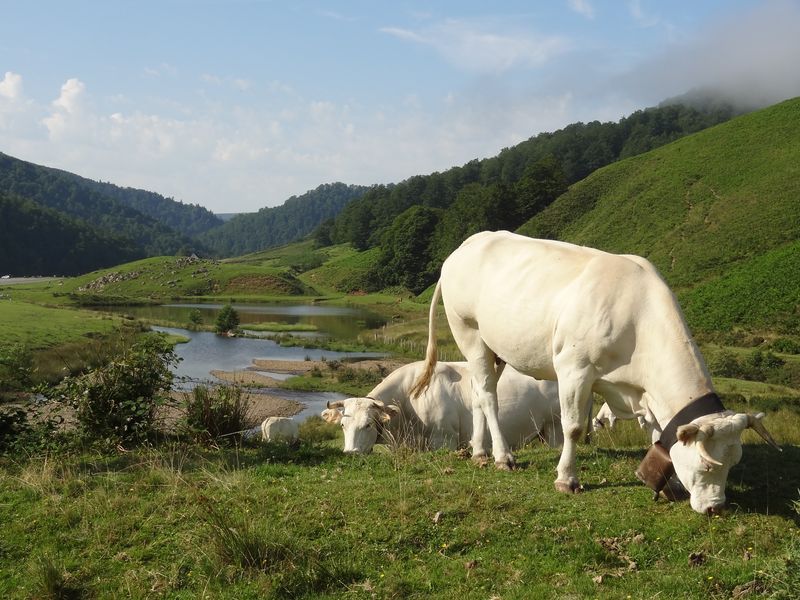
656,468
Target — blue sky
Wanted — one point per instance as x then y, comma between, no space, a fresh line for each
240,104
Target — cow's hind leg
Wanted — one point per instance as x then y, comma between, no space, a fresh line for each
573,390
484,373
484,376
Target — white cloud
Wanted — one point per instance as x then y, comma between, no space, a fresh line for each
66,109
11,86
582,7
71,93
12,101
472,47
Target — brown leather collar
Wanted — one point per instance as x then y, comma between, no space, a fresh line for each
699,407
656,468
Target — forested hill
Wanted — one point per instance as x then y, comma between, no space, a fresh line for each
717,212
420,221
64,191
293,220
35,240
187,219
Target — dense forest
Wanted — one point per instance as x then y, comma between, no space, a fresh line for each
418,222
79,196
35,240
83,200
270,227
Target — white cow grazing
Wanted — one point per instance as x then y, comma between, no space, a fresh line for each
593,321
282,429
441,417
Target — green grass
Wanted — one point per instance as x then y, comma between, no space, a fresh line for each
269,522
42,327
342,271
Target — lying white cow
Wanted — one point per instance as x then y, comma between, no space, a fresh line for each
593,321
441,417
282,429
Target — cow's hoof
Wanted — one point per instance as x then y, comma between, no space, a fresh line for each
569,487
507,464
480,460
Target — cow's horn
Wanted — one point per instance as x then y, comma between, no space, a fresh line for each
334,404
754,422
708,431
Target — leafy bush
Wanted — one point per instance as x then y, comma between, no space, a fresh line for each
361,377
16,368
757,365
27,429
214,412
227,319
785,345
118,402
13,423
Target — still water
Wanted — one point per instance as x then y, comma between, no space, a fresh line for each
335,321
207,351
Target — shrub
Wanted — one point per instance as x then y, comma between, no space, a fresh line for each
13,424
786,345
724,364
118,402
16,368
227,319
214,412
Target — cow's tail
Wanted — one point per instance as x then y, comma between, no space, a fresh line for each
430,354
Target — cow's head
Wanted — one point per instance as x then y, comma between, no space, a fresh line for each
361,420
706,450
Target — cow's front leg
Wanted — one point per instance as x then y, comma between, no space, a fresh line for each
573,392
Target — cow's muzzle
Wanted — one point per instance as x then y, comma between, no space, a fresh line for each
656,468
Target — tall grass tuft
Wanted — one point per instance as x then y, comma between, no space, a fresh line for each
54,583
293,571
215,412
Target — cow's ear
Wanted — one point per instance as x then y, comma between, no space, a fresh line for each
388,412
687,433
331,415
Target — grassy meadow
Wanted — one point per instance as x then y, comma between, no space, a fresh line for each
267,521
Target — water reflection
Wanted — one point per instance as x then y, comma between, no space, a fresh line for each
335,321
207,351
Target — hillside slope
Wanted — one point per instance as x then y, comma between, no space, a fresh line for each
275,226
698,208
35,240
62,190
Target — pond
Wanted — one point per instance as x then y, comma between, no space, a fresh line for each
207,351
334,321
